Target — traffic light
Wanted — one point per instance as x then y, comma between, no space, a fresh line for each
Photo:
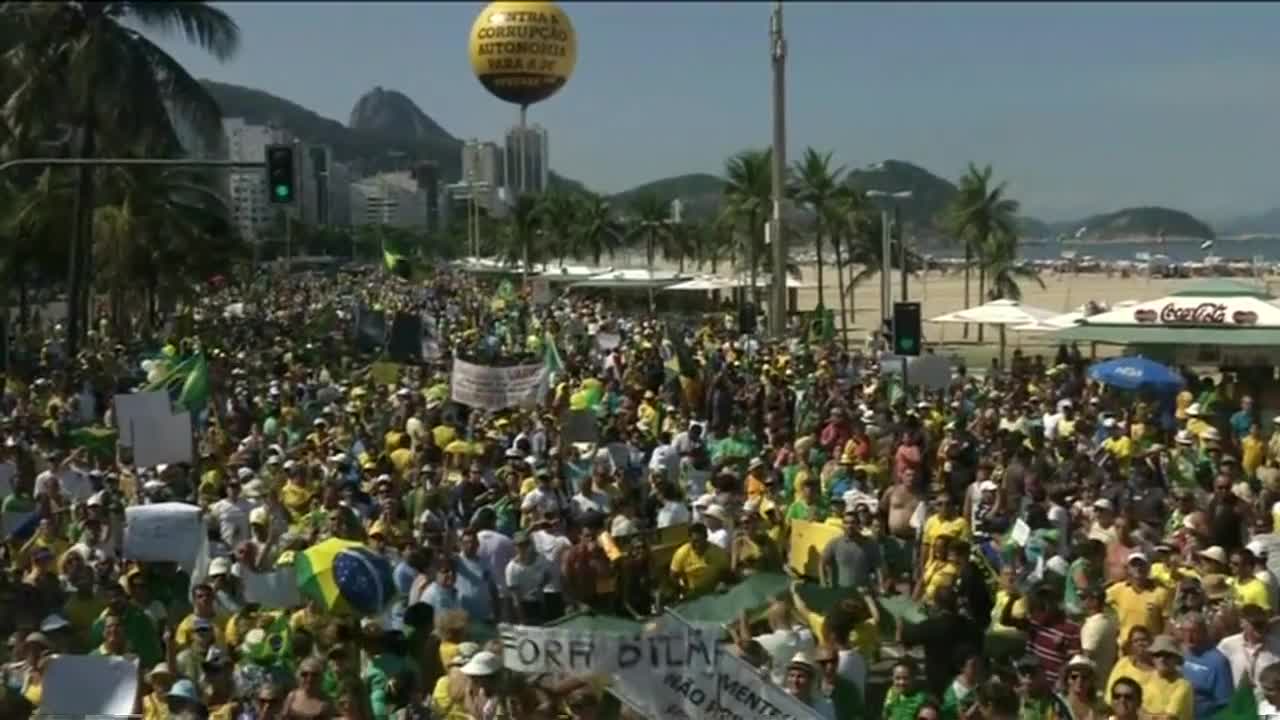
906,328
280,174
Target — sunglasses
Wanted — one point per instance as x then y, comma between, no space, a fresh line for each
1125,696
1077,676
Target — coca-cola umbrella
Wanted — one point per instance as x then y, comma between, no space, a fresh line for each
1136,373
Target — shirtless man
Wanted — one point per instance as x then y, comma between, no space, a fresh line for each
901,502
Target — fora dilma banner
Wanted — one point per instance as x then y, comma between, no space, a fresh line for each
578,652
494,388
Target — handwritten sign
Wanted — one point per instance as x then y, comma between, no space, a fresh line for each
556,650
164,532
495,388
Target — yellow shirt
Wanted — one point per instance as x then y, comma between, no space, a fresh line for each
1135,607
445,707
935,527
155,707
699,573
1126,668
997,611
937,575
1120,448
1196,426
401,459
448,651
1252,592
296,500
186,628
1162,697
1252,451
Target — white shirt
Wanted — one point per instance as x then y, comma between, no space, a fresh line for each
552,549
672,513
233,520
496,550
1249,661
540,501
719,538
782,645
527,581
595,501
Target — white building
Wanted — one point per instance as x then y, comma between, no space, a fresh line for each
526,159
389,199
247,188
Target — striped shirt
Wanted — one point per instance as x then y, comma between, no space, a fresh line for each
1053,644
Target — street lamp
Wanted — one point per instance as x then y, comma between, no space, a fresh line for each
778,58
889,200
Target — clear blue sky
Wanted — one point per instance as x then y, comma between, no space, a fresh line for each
1081,107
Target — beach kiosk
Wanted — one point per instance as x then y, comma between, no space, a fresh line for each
1220,323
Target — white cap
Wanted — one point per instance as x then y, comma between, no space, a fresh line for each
988,486
1109,423
1211,435
259,516
219,566
1193,410
482,664
244,473
1184,437
1257,547
1103,504
1137,556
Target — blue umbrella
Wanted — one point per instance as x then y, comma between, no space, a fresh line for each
1136,373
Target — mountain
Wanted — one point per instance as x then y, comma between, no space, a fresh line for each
1031,228
929,193
701,194
390,132
1138,222
392,113
1268,223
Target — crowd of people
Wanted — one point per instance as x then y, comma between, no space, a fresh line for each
1070,551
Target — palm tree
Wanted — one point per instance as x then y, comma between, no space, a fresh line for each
598,233
650,222
979,212
560,216
748,197
709,243
850,228
117,86
33,230
1000,265
817,186
522,236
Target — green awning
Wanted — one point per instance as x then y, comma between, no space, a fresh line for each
1135,335
1222,287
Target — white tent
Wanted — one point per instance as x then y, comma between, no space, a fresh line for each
702,283
765,279
572,273
1177,310
1003,313
1065,320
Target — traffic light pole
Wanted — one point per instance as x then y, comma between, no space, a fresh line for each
127,162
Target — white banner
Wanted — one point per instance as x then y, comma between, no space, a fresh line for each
733,691
677,649
164,532
495,388
276,590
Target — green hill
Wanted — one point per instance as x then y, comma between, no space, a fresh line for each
1139,222
386,146
929,193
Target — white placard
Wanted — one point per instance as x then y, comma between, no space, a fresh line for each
1020,533
277,590
679,649
89,685
608,341
135,407
163,532
75,484
495,388
162,439
733,689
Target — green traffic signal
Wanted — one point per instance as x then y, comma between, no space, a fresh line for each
282,191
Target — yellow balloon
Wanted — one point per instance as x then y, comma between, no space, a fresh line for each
523,51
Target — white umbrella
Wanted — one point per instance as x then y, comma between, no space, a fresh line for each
1003,313
703,283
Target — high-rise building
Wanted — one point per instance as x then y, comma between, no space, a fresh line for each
313,184
339,194
389,199
525,160
481,175
427,175
247,188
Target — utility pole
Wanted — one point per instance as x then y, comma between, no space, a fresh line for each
778,53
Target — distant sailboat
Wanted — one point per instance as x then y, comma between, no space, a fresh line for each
1080,233
1206,244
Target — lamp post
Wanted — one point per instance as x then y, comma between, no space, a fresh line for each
778,55
888,208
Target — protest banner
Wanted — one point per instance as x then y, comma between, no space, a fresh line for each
729,690
88,686
808,540
163,532
674,648
495,388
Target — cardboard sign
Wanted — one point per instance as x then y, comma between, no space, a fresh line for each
164,532
496,388
88,686
162,439
277,590
137,407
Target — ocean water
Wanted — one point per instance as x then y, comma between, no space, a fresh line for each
1178,250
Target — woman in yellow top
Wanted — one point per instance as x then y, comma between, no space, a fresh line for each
942,570
38,653
449,697
1136,663
1246,587
1166,695
155,706
295,495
